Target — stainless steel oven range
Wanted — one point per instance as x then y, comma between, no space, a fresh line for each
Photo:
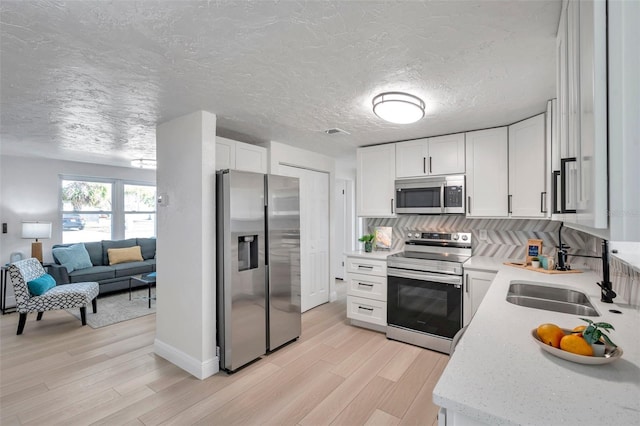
424,289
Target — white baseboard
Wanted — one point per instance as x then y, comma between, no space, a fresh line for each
196,368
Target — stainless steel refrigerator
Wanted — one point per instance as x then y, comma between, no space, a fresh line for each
258,265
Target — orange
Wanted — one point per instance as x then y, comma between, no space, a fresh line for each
550,334
576,344
579,329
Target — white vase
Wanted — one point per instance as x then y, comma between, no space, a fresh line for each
598,348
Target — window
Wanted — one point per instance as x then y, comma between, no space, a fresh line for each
139,211
86,210
95,209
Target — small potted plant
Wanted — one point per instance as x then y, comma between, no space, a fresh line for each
594,335
368,242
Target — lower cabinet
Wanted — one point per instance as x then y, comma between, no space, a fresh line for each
476,285
367,292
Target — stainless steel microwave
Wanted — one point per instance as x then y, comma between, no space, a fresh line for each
430,195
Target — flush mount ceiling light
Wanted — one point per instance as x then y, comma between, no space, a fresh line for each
144,163
398,107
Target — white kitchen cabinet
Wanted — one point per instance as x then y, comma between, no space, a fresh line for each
225,153
624,126
367,292
487,173
376,170
441,155
527,176
582,101
251,158
476,285
242,156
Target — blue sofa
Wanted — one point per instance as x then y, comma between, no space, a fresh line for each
109,277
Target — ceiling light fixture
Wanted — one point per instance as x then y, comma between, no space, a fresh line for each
144,163
398,107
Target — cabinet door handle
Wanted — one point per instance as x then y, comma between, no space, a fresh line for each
466,287
469,204
430,165
542,202
509,204
365,267
365,309
365,284
392,206
424,165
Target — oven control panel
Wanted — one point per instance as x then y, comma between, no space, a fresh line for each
440,237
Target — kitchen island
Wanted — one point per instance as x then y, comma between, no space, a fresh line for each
498,375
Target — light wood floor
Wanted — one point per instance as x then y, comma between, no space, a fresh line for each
60,373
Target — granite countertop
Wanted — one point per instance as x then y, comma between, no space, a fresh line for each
376,254
498,374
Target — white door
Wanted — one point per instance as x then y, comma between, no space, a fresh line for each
339,228
314,235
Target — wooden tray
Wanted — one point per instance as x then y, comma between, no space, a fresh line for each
544,271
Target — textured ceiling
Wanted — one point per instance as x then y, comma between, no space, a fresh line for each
89,81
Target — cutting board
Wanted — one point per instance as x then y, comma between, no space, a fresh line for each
544,271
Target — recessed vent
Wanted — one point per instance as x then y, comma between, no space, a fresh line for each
336,130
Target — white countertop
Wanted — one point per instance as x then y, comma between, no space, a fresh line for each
627,252
483,263
376,254
498,374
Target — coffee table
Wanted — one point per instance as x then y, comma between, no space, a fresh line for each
148,279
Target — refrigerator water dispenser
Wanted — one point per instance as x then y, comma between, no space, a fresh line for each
247,252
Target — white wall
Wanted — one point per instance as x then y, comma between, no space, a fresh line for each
29,190
185,318
281,154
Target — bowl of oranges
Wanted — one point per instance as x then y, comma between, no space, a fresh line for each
584,344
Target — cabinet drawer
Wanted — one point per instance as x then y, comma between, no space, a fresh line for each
367,310
367,266
369,286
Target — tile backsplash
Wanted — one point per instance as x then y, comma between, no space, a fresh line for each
507,239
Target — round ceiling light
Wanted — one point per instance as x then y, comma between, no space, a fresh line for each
398,107
144,163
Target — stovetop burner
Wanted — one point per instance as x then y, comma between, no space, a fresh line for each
433,252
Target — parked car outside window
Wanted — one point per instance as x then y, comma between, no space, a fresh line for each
72,221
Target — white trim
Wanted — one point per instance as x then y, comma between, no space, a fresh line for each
200,370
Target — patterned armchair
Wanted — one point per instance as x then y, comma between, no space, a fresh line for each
66,296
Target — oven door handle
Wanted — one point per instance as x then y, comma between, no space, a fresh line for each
424,276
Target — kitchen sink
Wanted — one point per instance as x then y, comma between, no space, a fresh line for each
568,301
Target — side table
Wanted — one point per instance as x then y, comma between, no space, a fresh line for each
148,279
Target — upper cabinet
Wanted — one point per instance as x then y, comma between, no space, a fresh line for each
236,155
624,126
442,155
487,173
376,170
527,176
582,103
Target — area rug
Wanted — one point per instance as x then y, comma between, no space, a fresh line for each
117,308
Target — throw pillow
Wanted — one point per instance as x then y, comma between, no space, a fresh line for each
124,255
73,257
41,285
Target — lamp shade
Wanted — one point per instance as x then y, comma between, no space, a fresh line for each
35,230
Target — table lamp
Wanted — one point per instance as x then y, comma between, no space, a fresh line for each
35,230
